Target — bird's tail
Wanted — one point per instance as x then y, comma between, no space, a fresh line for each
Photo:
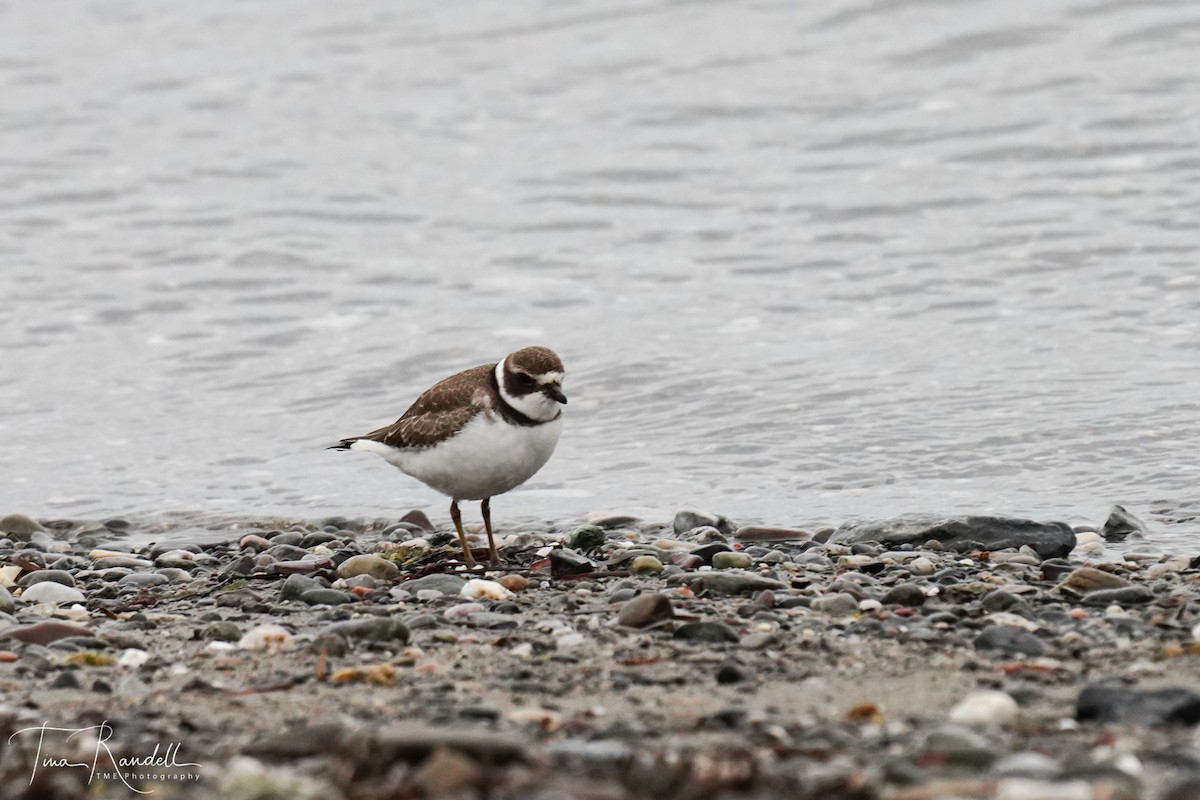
344,444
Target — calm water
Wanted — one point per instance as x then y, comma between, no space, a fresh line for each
803,261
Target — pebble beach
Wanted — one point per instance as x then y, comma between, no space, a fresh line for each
612,657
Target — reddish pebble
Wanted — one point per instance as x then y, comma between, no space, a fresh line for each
255,541
8,655
44,632
514,583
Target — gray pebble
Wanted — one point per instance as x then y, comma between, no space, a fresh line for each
286,552
56,575
223,631
708,632
904,594
491,620
1125,596
439,582
296,585
326,597
375,629
1009,640
837,605
143,579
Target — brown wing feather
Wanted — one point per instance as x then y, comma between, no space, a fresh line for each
444,407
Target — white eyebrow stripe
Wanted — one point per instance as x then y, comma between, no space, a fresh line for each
550,377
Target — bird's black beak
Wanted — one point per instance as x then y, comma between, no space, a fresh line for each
554,391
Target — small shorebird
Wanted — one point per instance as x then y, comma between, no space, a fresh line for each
478,433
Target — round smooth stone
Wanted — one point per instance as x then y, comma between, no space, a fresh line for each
731,560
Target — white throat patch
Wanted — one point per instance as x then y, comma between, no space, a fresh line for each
536,406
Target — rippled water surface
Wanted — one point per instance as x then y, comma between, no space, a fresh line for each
804,262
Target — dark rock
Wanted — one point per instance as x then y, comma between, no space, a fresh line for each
1112,701
1120,524
1001,600
708,632
67,679
586,537
730,672
646,610
688,519
375,629
904,594
1055,569
317,537
223,631
244,565
491,620
962,533
707,552
564,563
1008,639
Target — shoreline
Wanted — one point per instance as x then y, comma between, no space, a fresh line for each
349,658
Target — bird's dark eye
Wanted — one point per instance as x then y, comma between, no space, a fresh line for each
525,381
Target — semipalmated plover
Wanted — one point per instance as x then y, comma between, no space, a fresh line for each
477,434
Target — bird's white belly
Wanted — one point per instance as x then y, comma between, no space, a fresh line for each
486,458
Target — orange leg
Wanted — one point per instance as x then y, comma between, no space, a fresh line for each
462,537
486,508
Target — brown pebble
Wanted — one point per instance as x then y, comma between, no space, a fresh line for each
44,632
1089,579
757,533
8,655
419,518
514,583
19,525
255,541
448,772
646,610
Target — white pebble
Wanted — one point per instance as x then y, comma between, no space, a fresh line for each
1174,564
133,658
462,610
478,587
51,592
569,640
272,638
9,575
1033,789
921,566
1089,542
1012,620
868,605
985,709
